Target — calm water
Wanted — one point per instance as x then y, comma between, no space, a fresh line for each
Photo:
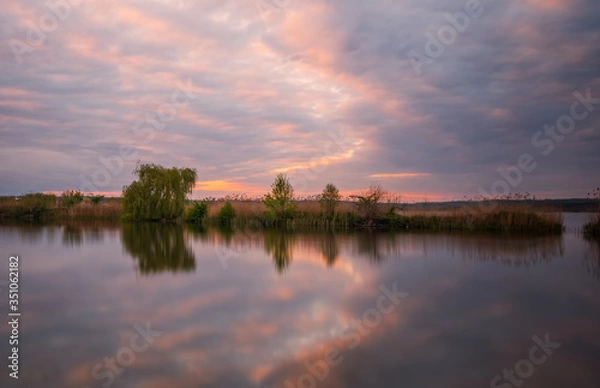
266,309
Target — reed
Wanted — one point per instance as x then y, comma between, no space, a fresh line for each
505,217
592,228
40,206
516,216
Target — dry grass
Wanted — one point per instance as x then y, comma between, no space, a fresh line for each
592,228
502,217
46,207
107,210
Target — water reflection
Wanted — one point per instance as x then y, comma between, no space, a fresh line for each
287,298
592,258
72,235
76,232
329,248
158,247
378,247
279,245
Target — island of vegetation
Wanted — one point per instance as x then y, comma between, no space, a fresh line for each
160,194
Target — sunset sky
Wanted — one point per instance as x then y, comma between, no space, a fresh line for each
341,91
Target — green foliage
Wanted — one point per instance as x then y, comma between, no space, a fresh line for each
96,199
329,199
197,212
280,201
159,193
35,204
368,202
226,214
71,198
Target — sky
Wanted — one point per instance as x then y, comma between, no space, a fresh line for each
432,99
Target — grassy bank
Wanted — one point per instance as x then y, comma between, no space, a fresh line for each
309,216
46,207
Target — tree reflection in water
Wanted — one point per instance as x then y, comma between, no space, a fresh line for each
377,246
279,245
329,248
158,247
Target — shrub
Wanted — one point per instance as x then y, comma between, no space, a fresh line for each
329,200
226,214
71,198
35,204
96,199
368,202
197,212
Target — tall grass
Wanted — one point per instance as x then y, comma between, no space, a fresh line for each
592,228
40,206
507,217
515,217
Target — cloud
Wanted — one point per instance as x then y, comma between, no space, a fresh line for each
271,84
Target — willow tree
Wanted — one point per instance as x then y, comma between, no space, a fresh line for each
159,193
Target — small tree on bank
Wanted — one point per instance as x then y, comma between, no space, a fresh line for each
226,214
280,201
368,202
159,193
329,200
96,199
197,212
71,198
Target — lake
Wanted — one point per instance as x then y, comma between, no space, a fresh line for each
152,305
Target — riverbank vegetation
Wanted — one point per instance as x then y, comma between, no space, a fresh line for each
592,228
372,208
43,207
159,194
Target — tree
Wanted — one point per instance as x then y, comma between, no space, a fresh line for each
96,199
71,198
197,212
159,193
226,214
329,200
280,201
368,202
